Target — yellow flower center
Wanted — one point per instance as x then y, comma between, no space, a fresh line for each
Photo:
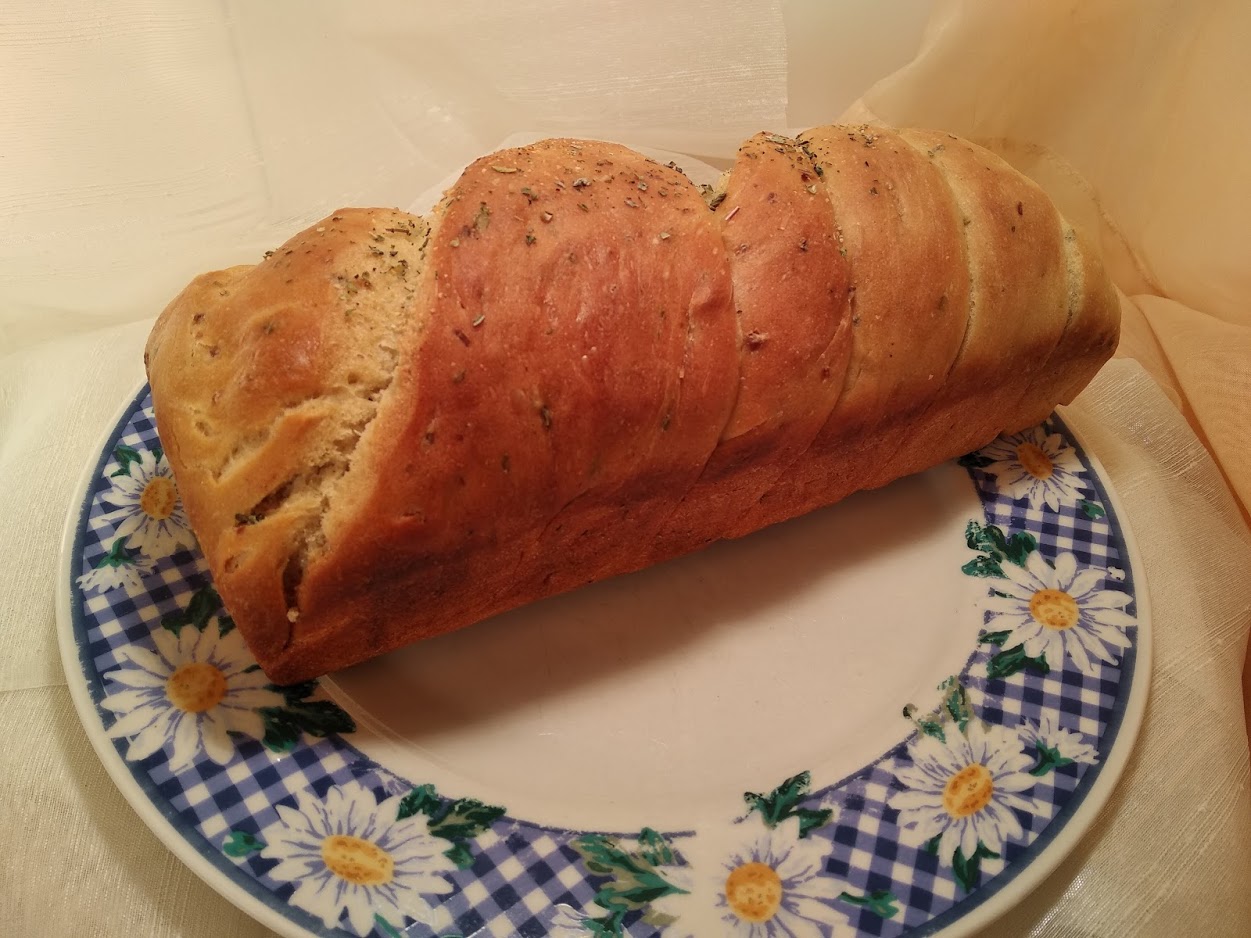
360,862
968,791
1054,609
196,687
158,498
1035,461
754,892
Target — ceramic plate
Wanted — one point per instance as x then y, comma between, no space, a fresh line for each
891,717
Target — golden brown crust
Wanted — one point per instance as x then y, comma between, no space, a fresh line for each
790,280
393,427
909,312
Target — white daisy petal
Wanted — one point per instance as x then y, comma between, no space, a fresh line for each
1079,655
795,925
128,527
1111,617
188,639
217,744
1110,634
819,887
140,678
1065,570
1106,600
911,800
167,646
1040,570
948,842
241,679
187,743
151,740
1008,607
968,839
1084,583
1018,581
805,859
247,722
125,701
207,643
1036,640
135,721
254,699
361,915
1016,781
295,869
316,896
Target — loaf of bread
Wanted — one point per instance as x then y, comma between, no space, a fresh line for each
579,365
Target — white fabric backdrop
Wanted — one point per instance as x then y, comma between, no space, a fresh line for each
142,142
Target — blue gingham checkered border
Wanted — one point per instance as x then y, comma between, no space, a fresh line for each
521,870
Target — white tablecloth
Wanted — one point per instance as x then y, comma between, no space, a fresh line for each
140,144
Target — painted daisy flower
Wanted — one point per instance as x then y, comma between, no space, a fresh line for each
963,791
146,502
1036,465
1060,611
197,687
351,854
119,567
772,886
1057,745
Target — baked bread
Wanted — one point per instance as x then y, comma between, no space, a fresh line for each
580,364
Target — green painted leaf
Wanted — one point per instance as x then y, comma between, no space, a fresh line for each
464,818
459,854
240,844
654,848
225,624
119,555
421,800
1019,546
967,870
202,606
320,718
1091,510
1048,760
633,881
1014,659
974,461
812,818
454,821
880,902
157,453
982,566
995,548
783,803
979,537
294,693
956,702
125,455
281,731
931,728
999,543
602,855
931,845
606,926
994,638
387,928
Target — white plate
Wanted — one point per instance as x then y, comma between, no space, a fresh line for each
922,749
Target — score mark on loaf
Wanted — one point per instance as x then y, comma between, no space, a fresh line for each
579,365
